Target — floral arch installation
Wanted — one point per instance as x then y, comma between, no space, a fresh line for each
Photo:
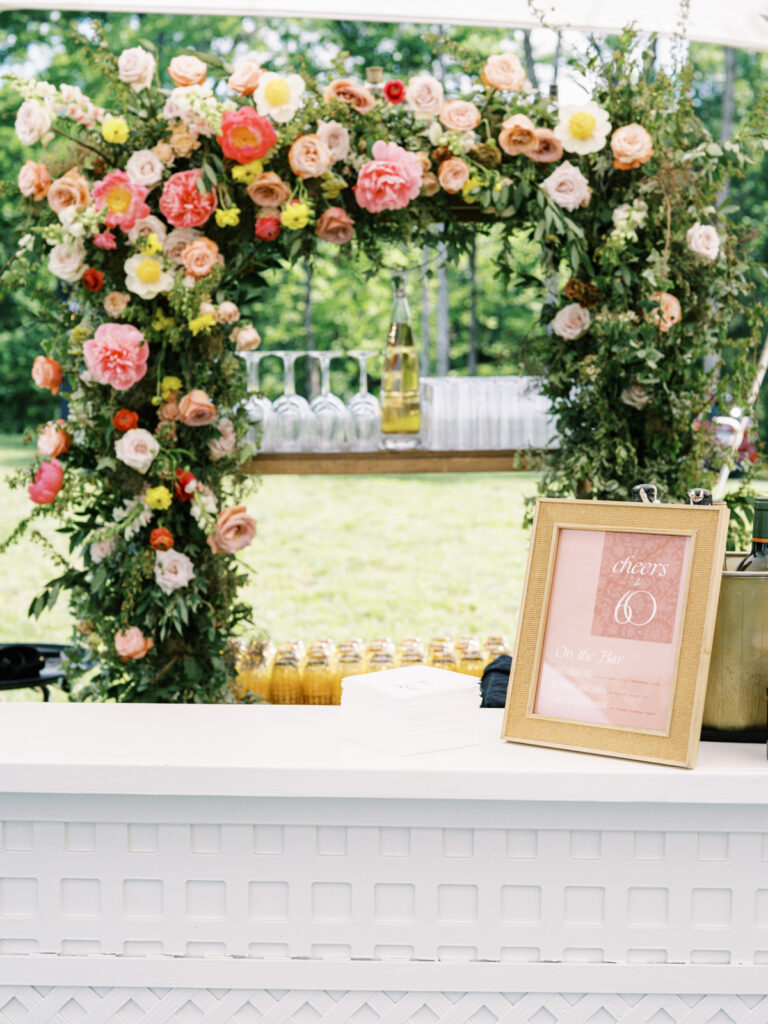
158,220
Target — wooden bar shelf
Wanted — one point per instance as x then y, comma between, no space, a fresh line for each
414,460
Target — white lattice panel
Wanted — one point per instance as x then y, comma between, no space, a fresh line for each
195,1006
364,892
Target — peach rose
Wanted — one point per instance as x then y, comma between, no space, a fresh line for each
460,116
504,71
227,313
176,242
70,190
54,439
200,257
168,411
571,321
518,135
187,71
567,187
116,302
453,175
335,225
309,157
269,189
246,338
245,77
235,529
667,313
34,180
631,145
131,644
424,96
430,186
548,147
223,445
196,409
357,96
47,373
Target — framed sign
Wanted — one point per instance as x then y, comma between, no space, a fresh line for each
616,627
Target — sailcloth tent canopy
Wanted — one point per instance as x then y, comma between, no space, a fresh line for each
739,23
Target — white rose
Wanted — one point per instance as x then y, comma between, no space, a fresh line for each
136,67
137,448
32,122
636,396
336,138
572,321
567,187
227,313
224,444
424,96
67,261
149,225
100,549
144,167
703,240
176,242
173,569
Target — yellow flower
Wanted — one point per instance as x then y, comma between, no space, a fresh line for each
245,173
470,185
201,323
162,322
115,129
295,216
152,244
168,385
158,497
228,218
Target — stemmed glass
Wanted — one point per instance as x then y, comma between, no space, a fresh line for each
259,408
330,414
364,409
293,419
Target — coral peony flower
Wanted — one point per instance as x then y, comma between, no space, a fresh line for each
136,67
123,198
145,277
268,228
667,313
105,240
137,448
47,373
182,204
357,96
269,189
144,168
245,77
184,485
424,97
453,174
101,549
131,644
125,419
200,257
518,135
389,181
223,445
173,570
196,409
548,148
703,240
572,321
93,279
278,96
187,70
53,439
34,180
47,483
567,187
394,92
459,116
504,71
161,539
117,355
335,225
631,146
67,261
235,529
582,128
245,135
309,157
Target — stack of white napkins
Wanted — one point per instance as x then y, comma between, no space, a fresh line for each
411,710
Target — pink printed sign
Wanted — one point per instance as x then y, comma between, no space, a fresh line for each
613,628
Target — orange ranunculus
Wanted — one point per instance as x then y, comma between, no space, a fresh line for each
125,419
161,539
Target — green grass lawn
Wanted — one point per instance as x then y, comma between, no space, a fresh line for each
338,556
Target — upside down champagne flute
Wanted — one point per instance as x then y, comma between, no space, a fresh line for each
259,408
293,419
364,409
330,416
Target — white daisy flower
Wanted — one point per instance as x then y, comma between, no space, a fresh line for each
278,96
145,277
582,128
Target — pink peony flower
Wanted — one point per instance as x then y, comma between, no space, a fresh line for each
105,240
182,205
123,198
117,355
389,181
131,643
47,483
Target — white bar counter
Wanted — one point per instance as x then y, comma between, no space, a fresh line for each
239,864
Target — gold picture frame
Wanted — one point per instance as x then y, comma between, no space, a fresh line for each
615,629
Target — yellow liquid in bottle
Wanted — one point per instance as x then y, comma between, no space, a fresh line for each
400,407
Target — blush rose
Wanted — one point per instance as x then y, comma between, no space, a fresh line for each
131,644
196,409
235,529
335,225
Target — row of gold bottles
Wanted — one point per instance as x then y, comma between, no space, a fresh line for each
294,674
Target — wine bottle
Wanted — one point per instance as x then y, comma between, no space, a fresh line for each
400,407
648,494
757,559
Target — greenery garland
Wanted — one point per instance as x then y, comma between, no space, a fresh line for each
158,217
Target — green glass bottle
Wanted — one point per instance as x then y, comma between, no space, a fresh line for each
400,407
757,559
